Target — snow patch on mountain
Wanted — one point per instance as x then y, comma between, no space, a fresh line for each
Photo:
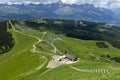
97,3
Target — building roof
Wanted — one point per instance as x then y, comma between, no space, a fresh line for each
69,56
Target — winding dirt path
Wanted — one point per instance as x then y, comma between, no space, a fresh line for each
30,71
39,40
34,45
54,47
17,32
33,50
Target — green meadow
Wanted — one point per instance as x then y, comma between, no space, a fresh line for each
22,64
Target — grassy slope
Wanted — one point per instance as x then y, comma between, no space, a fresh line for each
83,49
66,73
20,60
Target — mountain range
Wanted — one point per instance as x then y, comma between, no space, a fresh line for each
59,10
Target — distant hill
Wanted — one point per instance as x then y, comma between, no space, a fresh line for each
58,10
116,11
77,29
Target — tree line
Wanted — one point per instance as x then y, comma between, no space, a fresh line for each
110,58
6,40
101,44
114,43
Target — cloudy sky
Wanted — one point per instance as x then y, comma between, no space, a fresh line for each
98,3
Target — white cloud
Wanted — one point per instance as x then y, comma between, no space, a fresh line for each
98,3
69,1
